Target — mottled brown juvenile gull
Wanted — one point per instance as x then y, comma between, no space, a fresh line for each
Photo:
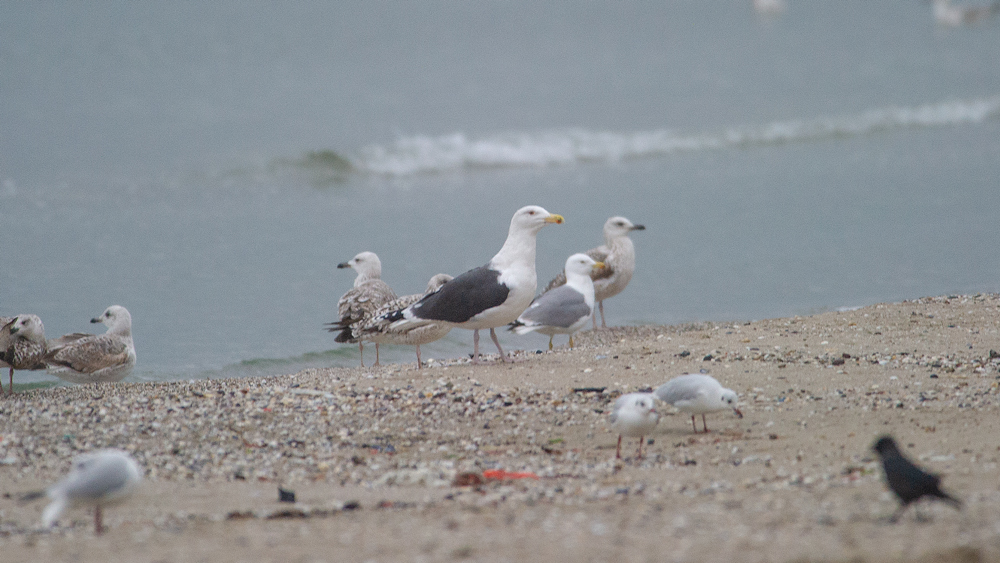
488,296
93,358
378,329
634,415
618,255
22,345
359,304
564,309
101,478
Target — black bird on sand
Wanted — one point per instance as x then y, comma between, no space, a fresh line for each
908,481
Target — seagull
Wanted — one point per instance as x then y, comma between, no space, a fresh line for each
946,13
377,330
697,394
908,481
564,309
488,296
618,255
633,415
359,304
22,345
90,358
100,478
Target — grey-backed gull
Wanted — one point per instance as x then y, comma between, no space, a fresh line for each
618,255
359,304
378,330
697,394
22,345
488,296
564,309
92,358
101,478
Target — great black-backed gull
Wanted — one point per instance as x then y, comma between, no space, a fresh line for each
564,309
359,304
99,479
22,345
697,394
489,296
378,330
618,255
634,415
92,358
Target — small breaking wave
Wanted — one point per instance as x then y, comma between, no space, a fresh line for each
422,154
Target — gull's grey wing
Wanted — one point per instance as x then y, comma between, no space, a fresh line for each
559,307
96,479
683,388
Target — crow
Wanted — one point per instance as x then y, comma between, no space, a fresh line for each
908,481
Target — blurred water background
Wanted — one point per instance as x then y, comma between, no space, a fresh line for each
207,165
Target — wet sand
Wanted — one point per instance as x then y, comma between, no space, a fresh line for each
373,454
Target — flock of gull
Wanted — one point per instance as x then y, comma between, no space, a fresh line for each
78,357
500,293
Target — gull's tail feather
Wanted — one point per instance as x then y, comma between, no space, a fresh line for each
52,512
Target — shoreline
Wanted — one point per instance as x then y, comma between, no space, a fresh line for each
372,453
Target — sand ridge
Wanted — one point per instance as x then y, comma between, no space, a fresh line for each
373,453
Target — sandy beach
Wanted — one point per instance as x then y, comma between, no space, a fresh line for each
387,463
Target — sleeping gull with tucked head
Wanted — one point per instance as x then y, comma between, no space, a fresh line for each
22,345
488,296
101,478
697,394
359,304
378,330
564,309
618,255
94,358
634,415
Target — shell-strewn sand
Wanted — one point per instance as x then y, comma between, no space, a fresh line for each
372,453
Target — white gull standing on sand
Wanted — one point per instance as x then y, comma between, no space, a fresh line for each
377,329
93,358
564,309
489,296
633,415
697,394
100,478
22,345
618,255
359,304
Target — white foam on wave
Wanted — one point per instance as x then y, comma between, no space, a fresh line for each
447,153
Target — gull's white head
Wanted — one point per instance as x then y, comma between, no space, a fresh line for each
729,399
116,318
581,264
634,410
366,264
619,227
28,327
532,218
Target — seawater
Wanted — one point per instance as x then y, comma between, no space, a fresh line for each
208,166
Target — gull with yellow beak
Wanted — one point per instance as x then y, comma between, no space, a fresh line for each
488,296
564,309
